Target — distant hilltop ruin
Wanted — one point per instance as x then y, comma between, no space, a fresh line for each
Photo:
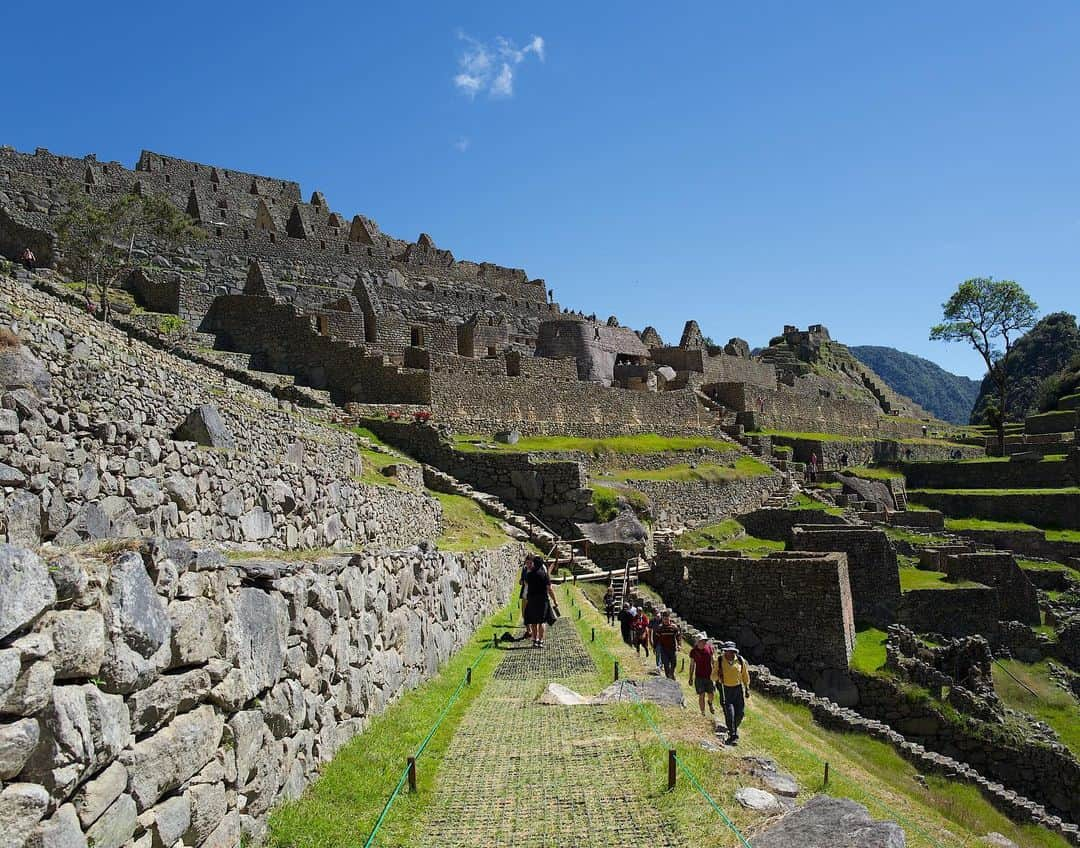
295,288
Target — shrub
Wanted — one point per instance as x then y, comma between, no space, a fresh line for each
421,416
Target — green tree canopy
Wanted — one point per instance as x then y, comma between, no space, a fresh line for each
990,315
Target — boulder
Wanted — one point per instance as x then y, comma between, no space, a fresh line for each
116,825
158,703
172,818
558,695
826,822
257,524
78,639
205,426
138,612
22,806
198,627
162,762
24,519
20,369
17,742
758,800
182,492
123,523
11,477
27,588
508,437
96,796
25,688
89,523
255,637
61,830
653,690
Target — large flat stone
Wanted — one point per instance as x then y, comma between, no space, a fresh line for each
162,762
17,742
96,796
22,806
116,825
27,588
826,822
78,639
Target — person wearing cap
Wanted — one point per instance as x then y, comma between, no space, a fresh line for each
701,667
734,676
609,604
666,643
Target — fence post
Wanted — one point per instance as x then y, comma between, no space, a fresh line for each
826,773
616,669
412,774
671,769
468,676
593,638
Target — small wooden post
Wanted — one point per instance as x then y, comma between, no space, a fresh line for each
616,669
826,773
593,638
671,769
412,774
468,676
579,615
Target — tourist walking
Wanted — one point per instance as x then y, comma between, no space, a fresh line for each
701,669
654,625
734,677
609,604
813,467
666,644
28,259
626,618
523,589
539,601
640,628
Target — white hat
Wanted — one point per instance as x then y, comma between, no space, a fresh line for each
633,610
703,636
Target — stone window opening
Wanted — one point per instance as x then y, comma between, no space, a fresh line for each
193,183
416,337
273,240
324,325
167,179
322,244
245,234
492,352
346,248
217,231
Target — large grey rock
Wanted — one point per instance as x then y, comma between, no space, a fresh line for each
182,492
96,796
137,610
88,524
257,524
123,522
826,822
757,800
69,576
198,627
24,519
22,806
654,690
61,830
9,422
27,588
25,687
255,644
172,818
162,762
82,730
207,811
205,426
20,369
158,703
11,477
116,825
143,493
78,639
17,741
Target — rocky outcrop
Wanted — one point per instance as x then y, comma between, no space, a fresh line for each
164,693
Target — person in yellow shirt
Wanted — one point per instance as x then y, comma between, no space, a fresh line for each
734,679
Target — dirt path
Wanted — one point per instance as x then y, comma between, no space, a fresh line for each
531,776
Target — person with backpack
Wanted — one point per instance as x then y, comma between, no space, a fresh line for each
626,618
701,669
666,644
734,676
541,607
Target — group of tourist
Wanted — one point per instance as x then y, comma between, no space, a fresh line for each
732,680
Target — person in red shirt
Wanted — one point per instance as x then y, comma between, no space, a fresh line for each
640,628
701,671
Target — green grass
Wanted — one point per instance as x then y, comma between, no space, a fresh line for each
466,527
808,503
987,524
874,473
709,536
642,443
372,461
745,467
1040,565
605,502
340,808
1051,704
916,578
813,437
901,534
869,653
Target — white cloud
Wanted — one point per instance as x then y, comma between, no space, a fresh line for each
491,67
462,144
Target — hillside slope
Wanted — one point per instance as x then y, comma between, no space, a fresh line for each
950,397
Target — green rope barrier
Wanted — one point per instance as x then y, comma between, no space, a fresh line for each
423,745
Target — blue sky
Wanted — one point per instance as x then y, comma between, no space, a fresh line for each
747,165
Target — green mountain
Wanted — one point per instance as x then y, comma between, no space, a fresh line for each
948,396
1044,351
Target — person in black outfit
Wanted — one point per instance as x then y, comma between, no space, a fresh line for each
609,605
626,617
539,594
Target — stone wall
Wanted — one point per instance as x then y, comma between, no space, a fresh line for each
94,455
776,523
1017,599
872,566
951,612
1032,543
163,694
989,475
867,451
555,491
694,503
791,610
1043,509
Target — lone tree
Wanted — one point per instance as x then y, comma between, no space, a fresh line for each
97,240
990,315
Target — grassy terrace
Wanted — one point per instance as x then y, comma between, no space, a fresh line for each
916,578
466,527
1067,490
642,443
808,503
875,473
869,654
728,535
742,468
1050,704
959,524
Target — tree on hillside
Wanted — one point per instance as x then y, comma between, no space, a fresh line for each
97,239
990,315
